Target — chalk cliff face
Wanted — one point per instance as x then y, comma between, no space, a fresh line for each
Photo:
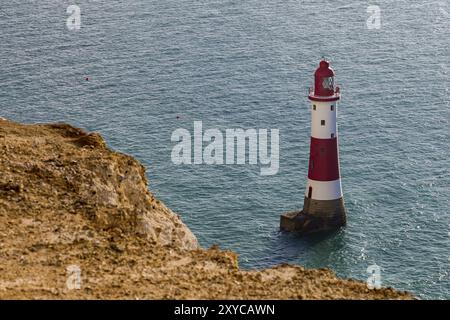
48,169
67,201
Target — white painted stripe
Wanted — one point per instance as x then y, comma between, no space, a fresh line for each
324,190
323,112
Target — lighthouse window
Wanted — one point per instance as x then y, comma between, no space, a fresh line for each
322,122
332,107
314,107
332,135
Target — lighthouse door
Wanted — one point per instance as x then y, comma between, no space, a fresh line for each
310,192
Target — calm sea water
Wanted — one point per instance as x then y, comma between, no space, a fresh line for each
156,66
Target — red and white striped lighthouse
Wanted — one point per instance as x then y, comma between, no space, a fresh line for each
323,206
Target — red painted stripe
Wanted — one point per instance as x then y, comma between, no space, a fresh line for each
323,160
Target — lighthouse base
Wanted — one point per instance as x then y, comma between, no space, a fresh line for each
316,216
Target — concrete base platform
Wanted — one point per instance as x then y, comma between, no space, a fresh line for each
303,223
321,216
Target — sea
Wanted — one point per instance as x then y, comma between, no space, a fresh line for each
137,70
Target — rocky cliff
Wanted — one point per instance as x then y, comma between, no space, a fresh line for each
71,207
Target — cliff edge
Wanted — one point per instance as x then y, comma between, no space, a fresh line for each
71,207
